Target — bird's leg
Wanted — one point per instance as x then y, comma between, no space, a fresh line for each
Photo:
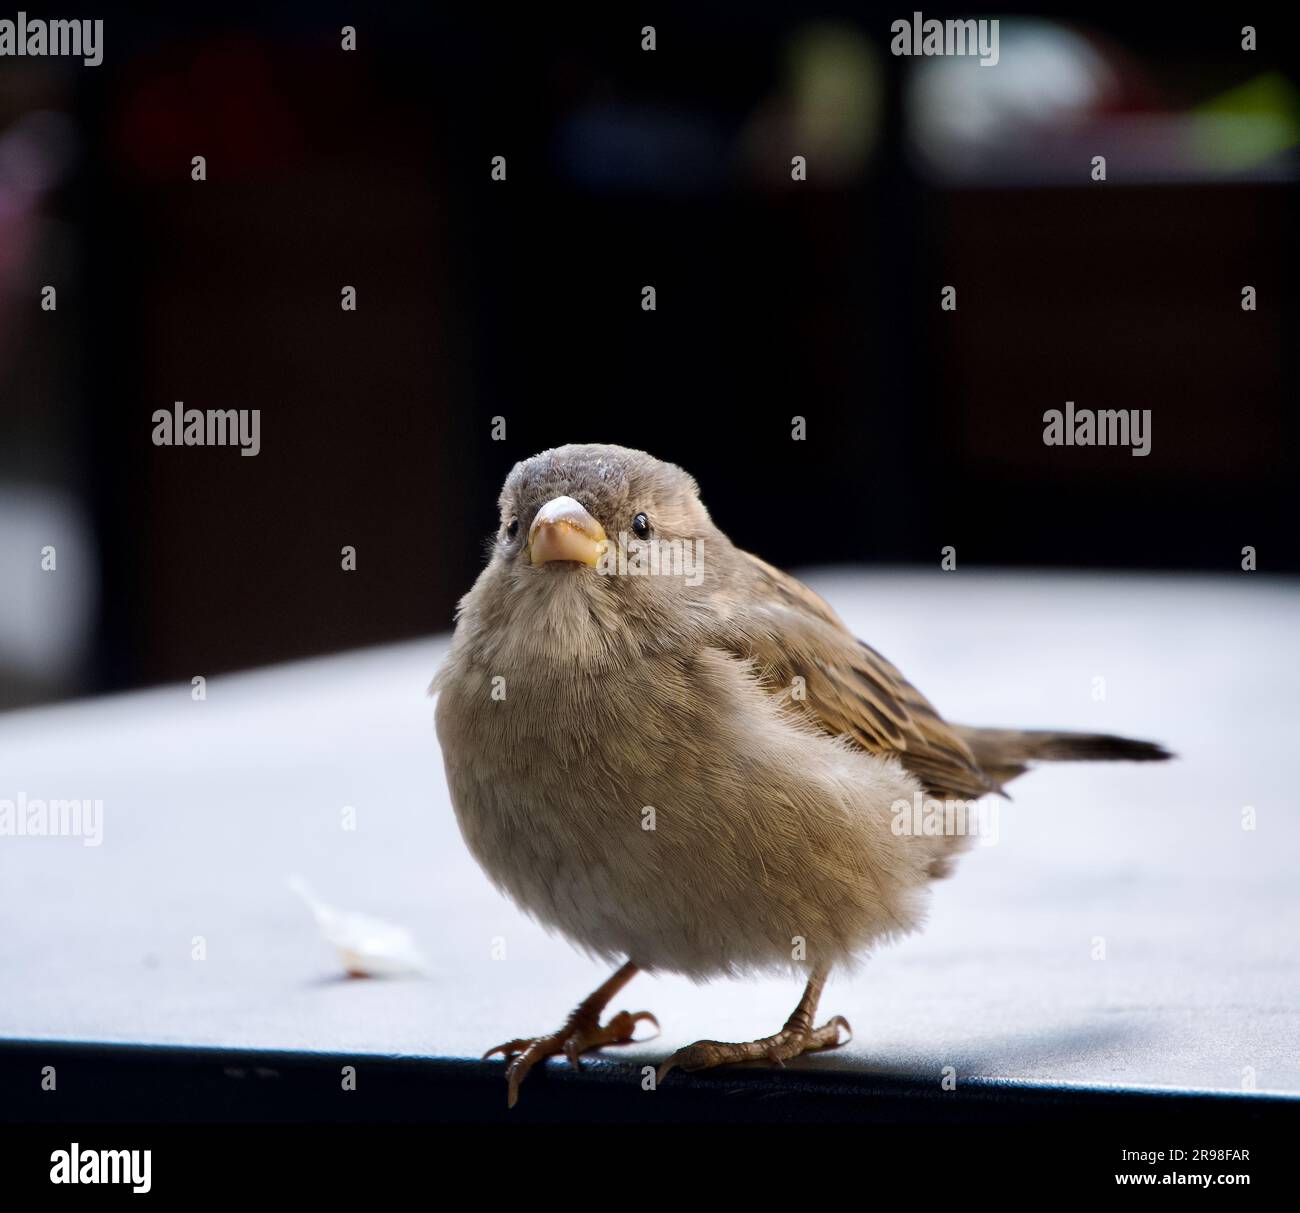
798,1036
581,1031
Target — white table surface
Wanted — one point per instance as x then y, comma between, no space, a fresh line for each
209,806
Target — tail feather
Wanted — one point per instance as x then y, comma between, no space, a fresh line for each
1005,753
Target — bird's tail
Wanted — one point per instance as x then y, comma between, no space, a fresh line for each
1002,754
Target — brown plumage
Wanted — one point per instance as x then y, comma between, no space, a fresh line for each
853,691
726,705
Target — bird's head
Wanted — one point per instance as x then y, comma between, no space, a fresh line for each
597,546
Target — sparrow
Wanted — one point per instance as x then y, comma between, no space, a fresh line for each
677,756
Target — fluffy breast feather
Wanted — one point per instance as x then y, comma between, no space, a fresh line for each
771,845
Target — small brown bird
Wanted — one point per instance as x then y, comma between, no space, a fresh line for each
679,757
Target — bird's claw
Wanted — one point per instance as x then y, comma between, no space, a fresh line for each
777,1050
575,1038
509,1049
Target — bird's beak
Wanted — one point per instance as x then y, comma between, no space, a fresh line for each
563,530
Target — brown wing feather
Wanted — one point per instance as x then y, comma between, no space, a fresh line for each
851,690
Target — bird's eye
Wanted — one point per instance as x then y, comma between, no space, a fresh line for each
512,528
641,526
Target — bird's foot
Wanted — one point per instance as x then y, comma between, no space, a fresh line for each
788,1043
581,1032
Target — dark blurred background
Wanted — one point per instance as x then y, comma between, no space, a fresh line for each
521,299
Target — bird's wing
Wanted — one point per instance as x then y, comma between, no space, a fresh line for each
789,632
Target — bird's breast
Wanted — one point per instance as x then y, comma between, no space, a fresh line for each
675,814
